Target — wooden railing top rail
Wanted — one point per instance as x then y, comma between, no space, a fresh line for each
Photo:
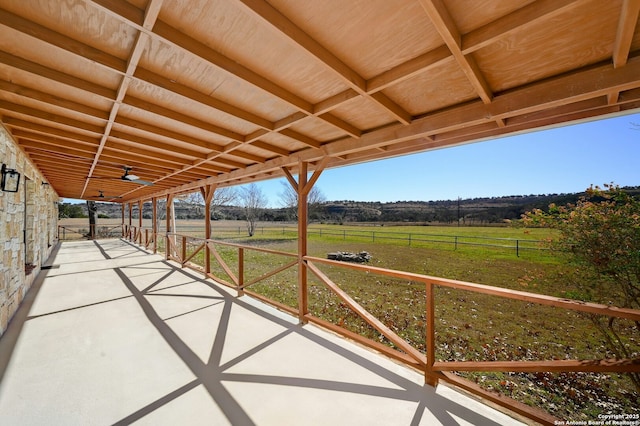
236,245
542,299
409,354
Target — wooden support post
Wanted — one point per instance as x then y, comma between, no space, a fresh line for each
130,220
154,225
207,193
303,210
183,251
168,228
122,220
303,187
140,204
429,376
240,271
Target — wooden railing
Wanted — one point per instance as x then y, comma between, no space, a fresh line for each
183,249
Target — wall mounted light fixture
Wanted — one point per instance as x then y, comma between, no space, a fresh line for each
10,179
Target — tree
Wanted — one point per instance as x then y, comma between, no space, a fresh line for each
289,199
67,210
601,233
253,201
221,197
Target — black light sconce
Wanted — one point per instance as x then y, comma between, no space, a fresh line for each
10,179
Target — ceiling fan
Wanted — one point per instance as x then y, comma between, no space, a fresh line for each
127,177
133,178
101,196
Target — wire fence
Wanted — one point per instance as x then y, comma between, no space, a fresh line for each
409,239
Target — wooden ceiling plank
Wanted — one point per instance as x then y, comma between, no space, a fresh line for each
61,41
589,83
177,38
626,29
149,77
285,26
169,158
444,24
134,124
123,11
472,41
150,16
81,152
515,21
55,118
67,164
436,57
134,140
46,130
52,140
183,118
60,77
52,100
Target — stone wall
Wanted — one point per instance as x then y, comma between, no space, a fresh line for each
28,228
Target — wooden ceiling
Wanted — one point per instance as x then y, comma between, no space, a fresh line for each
193,92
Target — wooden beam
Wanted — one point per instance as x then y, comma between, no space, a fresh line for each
277,21
154,79
150,17
434,58
175,37
445,25
178,137
58,76
626,30
515,21
54,101
181,118
61,41
14,108
17,123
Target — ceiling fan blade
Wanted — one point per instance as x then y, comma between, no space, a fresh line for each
140,181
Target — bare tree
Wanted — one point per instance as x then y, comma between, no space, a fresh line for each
289,199
254,202
223,197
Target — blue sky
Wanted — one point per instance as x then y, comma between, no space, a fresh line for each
560,160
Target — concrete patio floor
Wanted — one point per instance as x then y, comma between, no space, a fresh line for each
114,335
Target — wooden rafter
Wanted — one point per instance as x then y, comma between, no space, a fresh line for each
185,105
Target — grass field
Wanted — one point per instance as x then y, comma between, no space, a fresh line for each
468,326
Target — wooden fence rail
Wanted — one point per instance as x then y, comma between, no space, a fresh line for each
433,370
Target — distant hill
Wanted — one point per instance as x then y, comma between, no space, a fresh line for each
472,211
